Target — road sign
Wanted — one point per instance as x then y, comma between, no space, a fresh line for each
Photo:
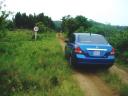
36,28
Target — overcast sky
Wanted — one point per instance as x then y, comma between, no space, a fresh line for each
105,11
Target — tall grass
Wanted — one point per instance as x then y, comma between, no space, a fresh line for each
115,82
34,68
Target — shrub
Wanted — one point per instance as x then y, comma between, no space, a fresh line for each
43,28
124,90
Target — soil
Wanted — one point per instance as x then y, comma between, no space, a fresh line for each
92,85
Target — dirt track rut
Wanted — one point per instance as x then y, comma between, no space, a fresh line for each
92,85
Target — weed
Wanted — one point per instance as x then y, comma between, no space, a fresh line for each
34,68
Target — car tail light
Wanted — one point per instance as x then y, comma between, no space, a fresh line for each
78,50
113,51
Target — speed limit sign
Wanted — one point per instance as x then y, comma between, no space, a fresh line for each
36,28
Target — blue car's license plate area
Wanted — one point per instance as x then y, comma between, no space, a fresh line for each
96,53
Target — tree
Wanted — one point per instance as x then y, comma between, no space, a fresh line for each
3,16
69,24
58,25
10,25
80,29
79,23
83,22
18,20
47,21
42,27
29,21
24,19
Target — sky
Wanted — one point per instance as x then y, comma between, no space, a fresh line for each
112,12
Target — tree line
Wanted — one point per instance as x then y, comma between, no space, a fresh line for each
3,23
21,20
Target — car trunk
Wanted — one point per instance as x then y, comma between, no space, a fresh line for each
96,51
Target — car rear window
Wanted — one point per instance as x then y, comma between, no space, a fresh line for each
92,39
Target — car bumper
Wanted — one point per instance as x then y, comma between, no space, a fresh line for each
82,59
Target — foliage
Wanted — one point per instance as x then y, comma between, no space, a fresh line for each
58,25
47,21
18,36
81,29
34,68
124,90
43,28
22,20
119,41
104,29
82,22
70,24
3,16
10,25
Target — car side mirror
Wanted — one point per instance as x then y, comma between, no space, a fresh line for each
66,41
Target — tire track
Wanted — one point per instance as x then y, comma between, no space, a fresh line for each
92,85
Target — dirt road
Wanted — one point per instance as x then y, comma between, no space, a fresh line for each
92,85
89,82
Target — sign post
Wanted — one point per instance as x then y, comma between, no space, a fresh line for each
36,29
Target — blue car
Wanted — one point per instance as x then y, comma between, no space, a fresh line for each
89,49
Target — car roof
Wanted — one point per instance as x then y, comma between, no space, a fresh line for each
88,34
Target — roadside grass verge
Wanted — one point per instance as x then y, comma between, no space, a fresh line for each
34,68
123,65
115,83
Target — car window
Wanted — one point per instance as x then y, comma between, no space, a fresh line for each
93,39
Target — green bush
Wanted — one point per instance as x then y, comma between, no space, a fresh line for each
43,28
124,90
10,25
3,24
119,41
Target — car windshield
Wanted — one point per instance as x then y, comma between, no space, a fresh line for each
93,39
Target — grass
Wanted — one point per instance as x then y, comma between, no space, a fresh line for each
123,65
34,68
115,83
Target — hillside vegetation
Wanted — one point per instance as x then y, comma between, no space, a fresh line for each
34,68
